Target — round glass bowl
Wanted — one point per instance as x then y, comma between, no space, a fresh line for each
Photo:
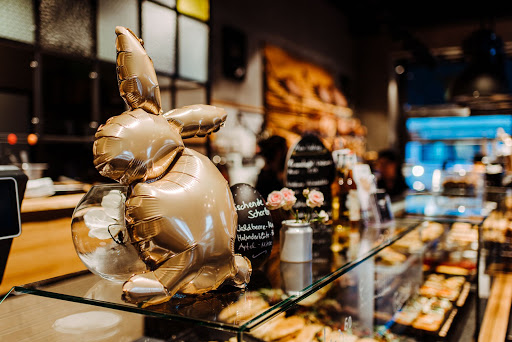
98,228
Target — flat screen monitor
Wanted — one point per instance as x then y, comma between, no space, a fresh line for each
10,222
12,189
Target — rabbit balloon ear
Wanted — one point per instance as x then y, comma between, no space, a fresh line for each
136,75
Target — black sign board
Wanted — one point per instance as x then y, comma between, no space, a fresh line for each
255,232
310,165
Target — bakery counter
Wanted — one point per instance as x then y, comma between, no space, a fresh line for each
43,204
45,248
405,282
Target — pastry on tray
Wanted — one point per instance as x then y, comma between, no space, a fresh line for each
429,322
437,285
247,307
388,256
407,315
454,270
285,327
431,231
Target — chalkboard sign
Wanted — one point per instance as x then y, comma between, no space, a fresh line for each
310,165
255,232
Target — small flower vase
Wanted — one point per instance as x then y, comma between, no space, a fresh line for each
99,233
296,241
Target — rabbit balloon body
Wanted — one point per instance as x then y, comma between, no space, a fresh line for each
180,211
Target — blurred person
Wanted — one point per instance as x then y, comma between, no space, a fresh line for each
271,177
390,178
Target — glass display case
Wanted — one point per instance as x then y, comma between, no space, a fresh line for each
497,232
442,151
411,281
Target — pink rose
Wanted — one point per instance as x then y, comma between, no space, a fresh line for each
315,199
275,200
289,198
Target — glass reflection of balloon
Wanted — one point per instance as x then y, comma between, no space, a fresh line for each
180,211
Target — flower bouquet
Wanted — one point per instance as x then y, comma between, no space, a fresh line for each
296,235
285,199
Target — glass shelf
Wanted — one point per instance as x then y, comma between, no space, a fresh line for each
205,310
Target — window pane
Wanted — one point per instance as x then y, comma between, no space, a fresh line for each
193,49
15,112
199,9
66,96
67,25
188,93
15,70
165,83
159,34
111,103
170,3
112,13
16,94
17,20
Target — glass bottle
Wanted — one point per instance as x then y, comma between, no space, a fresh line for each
353,206
352,201
340,221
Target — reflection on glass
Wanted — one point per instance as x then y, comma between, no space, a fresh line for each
67,26
296,276
17,20
199,9
193,49
112,13
159,34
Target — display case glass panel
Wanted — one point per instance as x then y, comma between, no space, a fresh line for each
412,281
210,309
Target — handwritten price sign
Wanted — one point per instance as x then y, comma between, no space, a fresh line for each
255,232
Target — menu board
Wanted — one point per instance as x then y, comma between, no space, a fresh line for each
255,231
310,165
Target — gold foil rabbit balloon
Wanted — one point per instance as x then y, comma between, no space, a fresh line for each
180,211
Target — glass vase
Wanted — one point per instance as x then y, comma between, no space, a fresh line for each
98,228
